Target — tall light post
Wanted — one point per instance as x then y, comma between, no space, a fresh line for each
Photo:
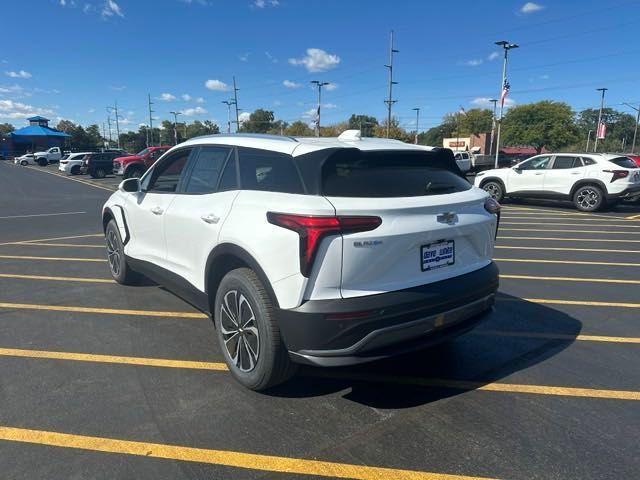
493,125
595,144
588,140
228,103
504,89
319,84
417,110
149,102
175,125
635,131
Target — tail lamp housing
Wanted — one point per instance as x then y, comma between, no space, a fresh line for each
617,174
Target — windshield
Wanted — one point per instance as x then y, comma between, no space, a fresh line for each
143,152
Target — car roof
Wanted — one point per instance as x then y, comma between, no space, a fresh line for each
300,145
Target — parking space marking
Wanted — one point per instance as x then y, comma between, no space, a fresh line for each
563,249
42,215
570,262
227,458
542,211
109,311
564,217
70,245
558,336
563,231
335,374
569,279
581,303
61,279
53,259
570,224
633,217
500,237
19,242
72,179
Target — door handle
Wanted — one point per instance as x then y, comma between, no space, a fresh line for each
210,218
157,211
538,173
575,173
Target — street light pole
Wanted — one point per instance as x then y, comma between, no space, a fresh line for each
175,125
151,121
506,46
635,131
493,125
228,103
417,110
588,140
595,147
235,102
319,84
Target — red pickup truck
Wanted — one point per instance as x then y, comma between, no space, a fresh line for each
136,165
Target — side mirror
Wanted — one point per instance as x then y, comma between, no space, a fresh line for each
517,169
130,185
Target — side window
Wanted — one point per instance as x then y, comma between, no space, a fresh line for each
166,176
536,163
564,162
588,161
229,180
268,171
206,171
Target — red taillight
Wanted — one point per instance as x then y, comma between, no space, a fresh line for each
312,229
617,174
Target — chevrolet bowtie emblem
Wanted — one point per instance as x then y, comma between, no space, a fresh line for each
447,217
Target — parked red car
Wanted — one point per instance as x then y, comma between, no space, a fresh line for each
635,158
136,165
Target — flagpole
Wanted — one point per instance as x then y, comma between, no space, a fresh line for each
506,46
595,145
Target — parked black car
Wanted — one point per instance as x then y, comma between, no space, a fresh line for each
99,165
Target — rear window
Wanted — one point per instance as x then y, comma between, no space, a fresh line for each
389,174
268,171
624,162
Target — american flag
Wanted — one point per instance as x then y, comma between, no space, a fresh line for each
505,91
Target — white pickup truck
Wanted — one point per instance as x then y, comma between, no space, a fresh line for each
54,154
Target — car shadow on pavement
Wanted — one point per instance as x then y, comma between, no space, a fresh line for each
515,336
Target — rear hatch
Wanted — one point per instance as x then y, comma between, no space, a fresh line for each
434,224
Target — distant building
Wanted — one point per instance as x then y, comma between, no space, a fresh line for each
36,137
478,144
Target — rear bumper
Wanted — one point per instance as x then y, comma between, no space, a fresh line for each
627,193
357,330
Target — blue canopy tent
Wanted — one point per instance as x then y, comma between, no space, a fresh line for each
36,137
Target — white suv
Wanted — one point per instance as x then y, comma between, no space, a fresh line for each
322,251
72,163
590,180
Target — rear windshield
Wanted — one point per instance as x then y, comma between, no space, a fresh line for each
390,174
624,162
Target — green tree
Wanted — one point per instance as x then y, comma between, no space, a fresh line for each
476,121
299,129
620,128
546,124
366,123
395,131
260,121
6,128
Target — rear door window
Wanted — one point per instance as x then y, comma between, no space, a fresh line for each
564,162
388,174
268,171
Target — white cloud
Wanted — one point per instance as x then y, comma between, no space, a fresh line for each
277,103
290,84
91,110
186,97
474,62
329,105
166,97
243,117
11,109
485,102
311,113
244,57
331,87
492,56
117,88
199,100
216,85
317,60
271,57
18,74
111,8
11,88
544,77
265,3
530,7
190,112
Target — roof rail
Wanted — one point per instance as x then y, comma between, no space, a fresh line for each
264,136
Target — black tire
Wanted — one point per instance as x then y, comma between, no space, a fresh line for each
261,361
43,162
24,163
494,189
133,172
120,269
75,170
98,173
589,198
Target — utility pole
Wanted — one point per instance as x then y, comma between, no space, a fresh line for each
417,110
319,84
175,125
109,123
588,140
104,135
493,125
635,131
235,102
114,109
390,101
228,103
595,145
504,90
151,122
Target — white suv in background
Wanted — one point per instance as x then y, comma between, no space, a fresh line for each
72,163
589,180
322,251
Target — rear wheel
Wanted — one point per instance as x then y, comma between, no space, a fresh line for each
24,163
495,190
120,269
75,170
248,332
588,198
99,173
43,162
133,172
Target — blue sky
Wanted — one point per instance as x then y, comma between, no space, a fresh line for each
89,53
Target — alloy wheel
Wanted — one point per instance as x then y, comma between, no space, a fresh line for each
113,252
239,330
588,198
493,190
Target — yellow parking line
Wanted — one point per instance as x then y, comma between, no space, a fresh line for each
619,240
563,249
564,217
558,336
91,184
54,238
569,262
633,217
570,224
540,230
581,303
55,259
109,311
73,245
227,458
61,279
570,279
532,211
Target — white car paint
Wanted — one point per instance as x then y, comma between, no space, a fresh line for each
51,155
26,159
464,160
73,160
178,231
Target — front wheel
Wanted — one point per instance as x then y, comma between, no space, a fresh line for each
248,332
120,269
24,163
43,162
495,190
588,198
75,170
99,173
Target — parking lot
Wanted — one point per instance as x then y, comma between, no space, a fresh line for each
105,381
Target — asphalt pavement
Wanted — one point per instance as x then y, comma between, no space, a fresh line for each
103,381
